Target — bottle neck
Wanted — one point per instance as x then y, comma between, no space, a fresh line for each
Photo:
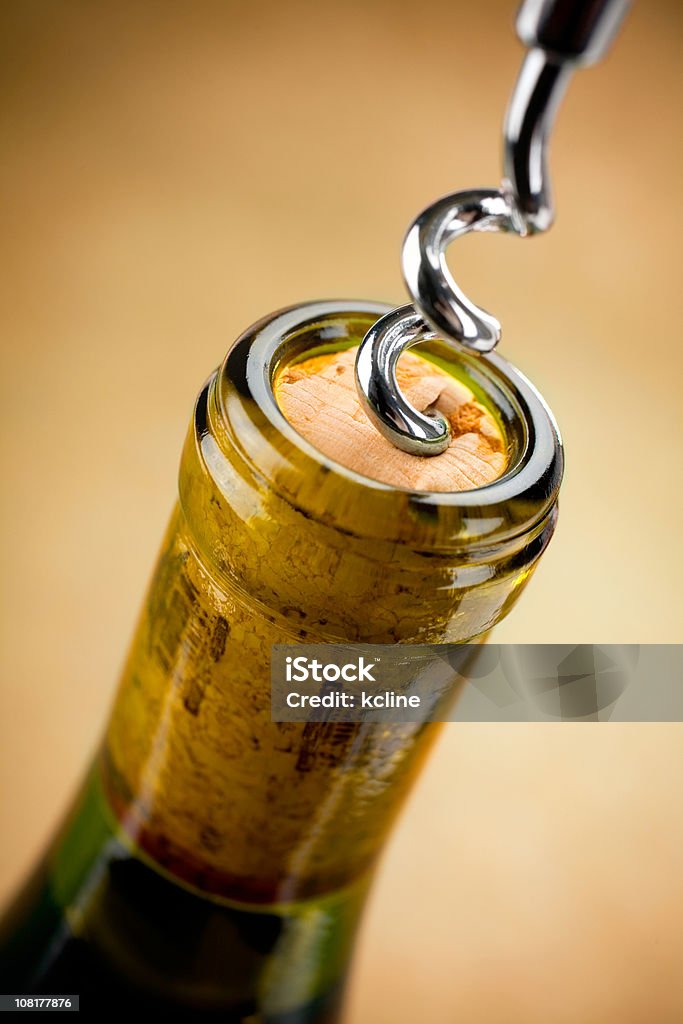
342,557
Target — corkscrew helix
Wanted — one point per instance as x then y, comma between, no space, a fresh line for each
561,35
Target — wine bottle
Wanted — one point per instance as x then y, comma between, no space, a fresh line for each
215,863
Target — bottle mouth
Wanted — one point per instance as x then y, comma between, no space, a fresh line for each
519,499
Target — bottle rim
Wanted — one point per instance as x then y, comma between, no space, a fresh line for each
515,502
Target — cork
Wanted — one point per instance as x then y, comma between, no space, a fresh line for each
318,396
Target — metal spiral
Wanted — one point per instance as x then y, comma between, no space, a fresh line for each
440,309
563,35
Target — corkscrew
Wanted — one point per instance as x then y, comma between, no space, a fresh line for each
561,35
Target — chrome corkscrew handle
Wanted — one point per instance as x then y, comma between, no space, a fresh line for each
562,34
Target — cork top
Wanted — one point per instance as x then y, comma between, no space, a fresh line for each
318,397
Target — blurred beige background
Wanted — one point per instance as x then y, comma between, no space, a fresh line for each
172,171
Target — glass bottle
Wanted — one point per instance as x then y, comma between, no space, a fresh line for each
215,862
